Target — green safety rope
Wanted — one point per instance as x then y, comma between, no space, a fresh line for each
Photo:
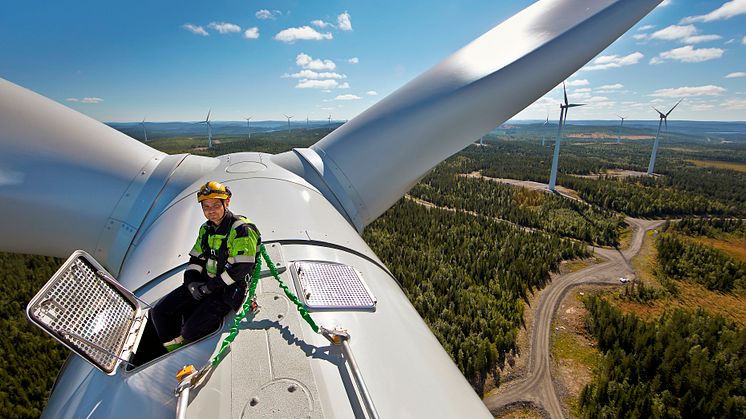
301,309
247,306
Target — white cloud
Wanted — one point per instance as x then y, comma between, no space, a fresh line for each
310,74
343,21
734,104
606,62
743,41
316,84
197,30
251,33
353,60
689,54
598,99
696,39
93,100
224,27
736,75
320,23
290,35
686,34
306,61
616,86
645,28
264,14
347,97
674,32
726,11
344,85
579,82
583,90
371,93
709,90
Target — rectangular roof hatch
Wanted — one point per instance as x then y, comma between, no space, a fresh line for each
332,286
83,307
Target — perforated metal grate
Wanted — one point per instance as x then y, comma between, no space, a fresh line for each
332,286
85,312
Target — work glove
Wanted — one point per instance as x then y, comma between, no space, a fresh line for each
198,290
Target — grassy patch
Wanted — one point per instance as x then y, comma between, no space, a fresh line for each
735,247
690,296
577,264
625,237
574,356
740,167
569,345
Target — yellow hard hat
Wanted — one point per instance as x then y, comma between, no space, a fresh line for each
213,189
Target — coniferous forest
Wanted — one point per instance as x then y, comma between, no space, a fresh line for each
29,359
468,251
686,365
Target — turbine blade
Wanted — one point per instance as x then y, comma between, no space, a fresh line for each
410,126
674,106
565,91
208,115
66,175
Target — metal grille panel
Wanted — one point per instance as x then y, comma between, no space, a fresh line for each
85,312
332,286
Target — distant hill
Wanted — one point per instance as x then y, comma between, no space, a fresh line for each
186,129
733,131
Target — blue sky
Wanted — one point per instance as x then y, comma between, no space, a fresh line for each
173,60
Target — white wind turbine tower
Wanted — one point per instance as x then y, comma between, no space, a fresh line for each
329,124
619,134
306,122
544,131
288,117
144,130
563,117
663,119
209,128
248,124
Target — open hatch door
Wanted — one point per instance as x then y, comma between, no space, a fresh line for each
88,311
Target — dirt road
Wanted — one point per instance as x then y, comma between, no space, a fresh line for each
537,387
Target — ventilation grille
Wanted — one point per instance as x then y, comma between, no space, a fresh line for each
86,311
332,286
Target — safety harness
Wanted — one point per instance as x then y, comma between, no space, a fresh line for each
215,247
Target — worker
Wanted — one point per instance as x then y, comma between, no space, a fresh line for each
220,265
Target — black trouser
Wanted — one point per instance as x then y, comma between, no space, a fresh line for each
199,317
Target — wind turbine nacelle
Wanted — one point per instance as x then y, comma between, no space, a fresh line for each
300,225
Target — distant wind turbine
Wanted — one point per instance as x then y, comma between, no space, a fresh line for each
306,122
209,128
663,119
144,130
288,117
248,123
329,124
619,135
563,117
544,131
